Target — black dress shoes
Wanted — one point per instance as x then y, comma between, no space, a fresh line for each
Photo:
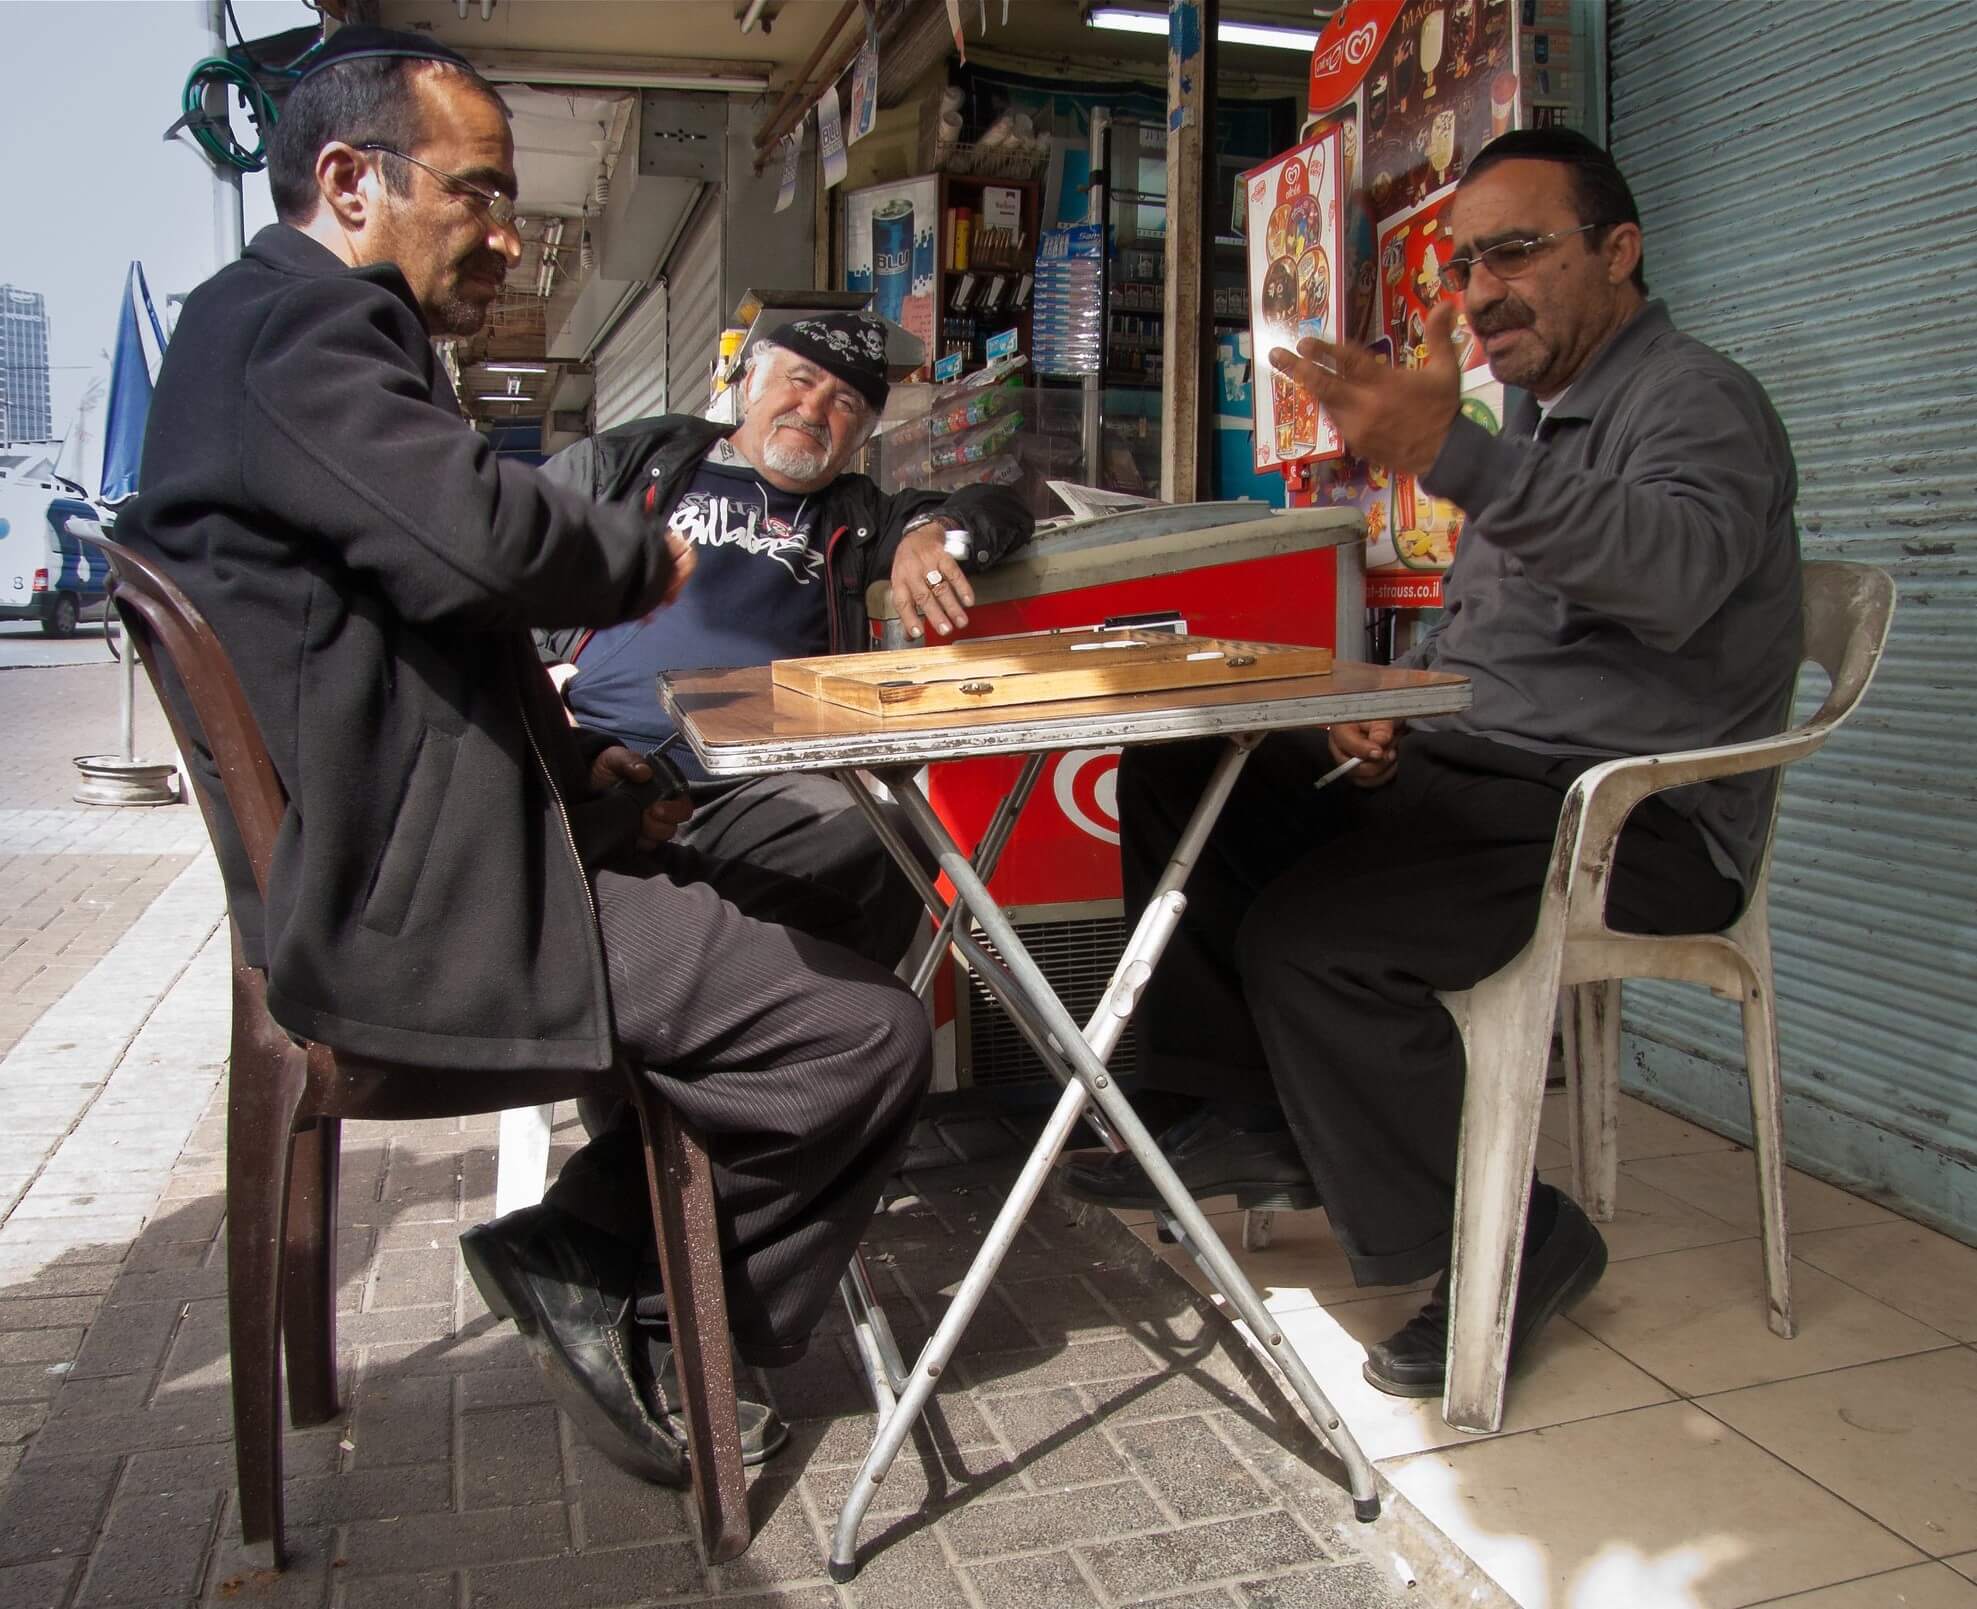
656,1368
1558,1272
1262,1171
568,1289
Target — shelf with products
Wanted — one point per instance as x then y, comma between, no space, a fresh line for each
948,257
985,269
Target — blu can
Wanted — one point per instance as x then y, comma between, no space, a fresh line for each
892,257
923,258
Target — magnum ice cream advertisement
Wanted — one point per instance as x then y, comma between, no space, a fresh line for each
1296,235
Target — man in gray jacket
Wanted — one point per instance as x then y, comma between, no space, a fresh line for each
1627,582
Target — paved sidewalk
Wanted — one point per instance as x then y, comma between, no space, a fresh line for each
1106,1439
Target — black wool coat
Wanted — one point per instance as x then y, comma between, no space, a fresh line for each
373,570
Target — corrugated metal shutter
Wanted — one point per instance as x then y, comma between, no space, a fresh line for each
693,282
631,365
1803,173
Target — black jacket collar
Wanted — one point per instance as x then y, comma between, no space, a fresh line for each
288,250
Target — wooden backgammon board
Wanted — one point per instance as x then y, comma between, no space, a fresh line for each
995,672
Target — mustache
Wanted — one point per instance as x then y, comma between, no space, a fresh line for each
490,264
1508,314
796,421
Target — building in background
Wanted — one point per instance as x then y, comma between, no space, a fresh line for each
24,366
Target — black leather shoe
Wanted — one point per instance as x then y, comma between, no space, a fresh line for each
1558,1273
567,1288
1262,1171
656,1367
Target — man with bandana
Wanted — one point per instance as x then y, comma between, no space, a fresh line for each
786,543
463,879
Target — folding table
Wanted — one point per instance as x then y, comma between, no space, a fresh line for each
740,723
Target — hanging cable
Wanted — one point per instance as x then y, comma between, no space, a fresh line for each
214,132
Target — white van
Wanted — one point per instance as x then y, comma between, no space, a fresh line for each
46,572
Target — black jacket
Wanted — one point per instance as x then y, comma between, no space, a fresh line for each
863,524
373,570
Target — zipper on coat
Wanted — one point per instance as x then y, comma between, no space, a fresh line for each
563,817
830,589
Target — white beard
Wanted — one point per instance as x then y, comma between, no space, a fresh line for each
791,461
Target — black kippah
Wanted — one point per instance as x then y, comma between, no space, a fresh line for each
360,40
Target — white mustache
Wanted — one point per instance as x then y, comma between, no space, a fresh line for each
796,421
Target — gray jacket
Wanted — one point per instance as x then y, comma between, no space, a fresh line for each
1627,580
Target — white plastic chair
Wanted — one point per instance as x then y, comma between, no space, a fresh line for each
521,1165
1506,1020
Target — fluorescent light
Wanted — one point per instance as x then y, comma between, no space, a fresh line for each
603,77
1258,33
514,368
1121,20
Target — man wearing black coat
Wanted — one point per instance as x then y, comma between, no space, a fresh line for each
463,879
786,544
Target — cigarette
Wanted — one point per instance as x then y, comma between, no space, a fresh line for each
1335,773
1080,647
1206,653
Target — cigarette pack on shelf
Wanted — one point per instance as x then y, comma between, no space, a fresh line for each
1068,326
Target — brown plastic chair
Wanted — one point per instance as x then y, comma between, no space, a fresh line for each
285,1104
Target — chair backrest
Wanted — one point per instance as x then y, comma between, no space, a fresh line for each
1848,611
170,635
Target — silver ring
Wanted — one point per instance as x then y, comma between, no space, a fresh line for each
936,579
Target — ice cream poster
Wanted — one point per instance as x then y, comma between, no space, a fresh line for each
889,235
1424,529
1413,247
1296,240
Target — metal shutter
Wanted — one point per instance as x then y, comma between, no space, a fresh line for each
631,365
1803,176
693,281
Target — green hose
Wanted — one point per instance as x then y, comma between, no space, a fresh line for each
215,135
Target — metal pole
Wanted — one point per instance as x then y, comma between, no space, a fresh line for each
1095,212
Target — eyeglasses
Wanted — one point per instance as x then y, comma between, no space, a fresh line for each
500,209
1508,258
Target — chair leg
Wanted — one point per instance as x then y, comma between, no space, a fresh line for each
265,1084
682,1190
1591,1021
308,1290
1767,1123
521,1169
1506,1026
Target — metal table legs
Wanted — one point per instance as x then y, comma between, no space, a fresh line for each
1078,1057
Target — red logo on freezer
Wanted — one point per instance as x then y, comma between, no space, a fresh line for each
1086,783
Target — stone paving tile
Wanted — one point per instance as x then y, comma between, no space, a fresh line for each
1196,1553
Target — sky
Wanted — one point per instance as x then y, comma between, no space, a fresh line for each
87,90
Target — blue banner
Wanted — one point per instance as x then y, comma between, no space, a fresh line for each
140,346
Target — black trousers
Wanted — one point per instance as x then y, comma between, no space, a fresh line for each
805,825
1319,926
742,994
